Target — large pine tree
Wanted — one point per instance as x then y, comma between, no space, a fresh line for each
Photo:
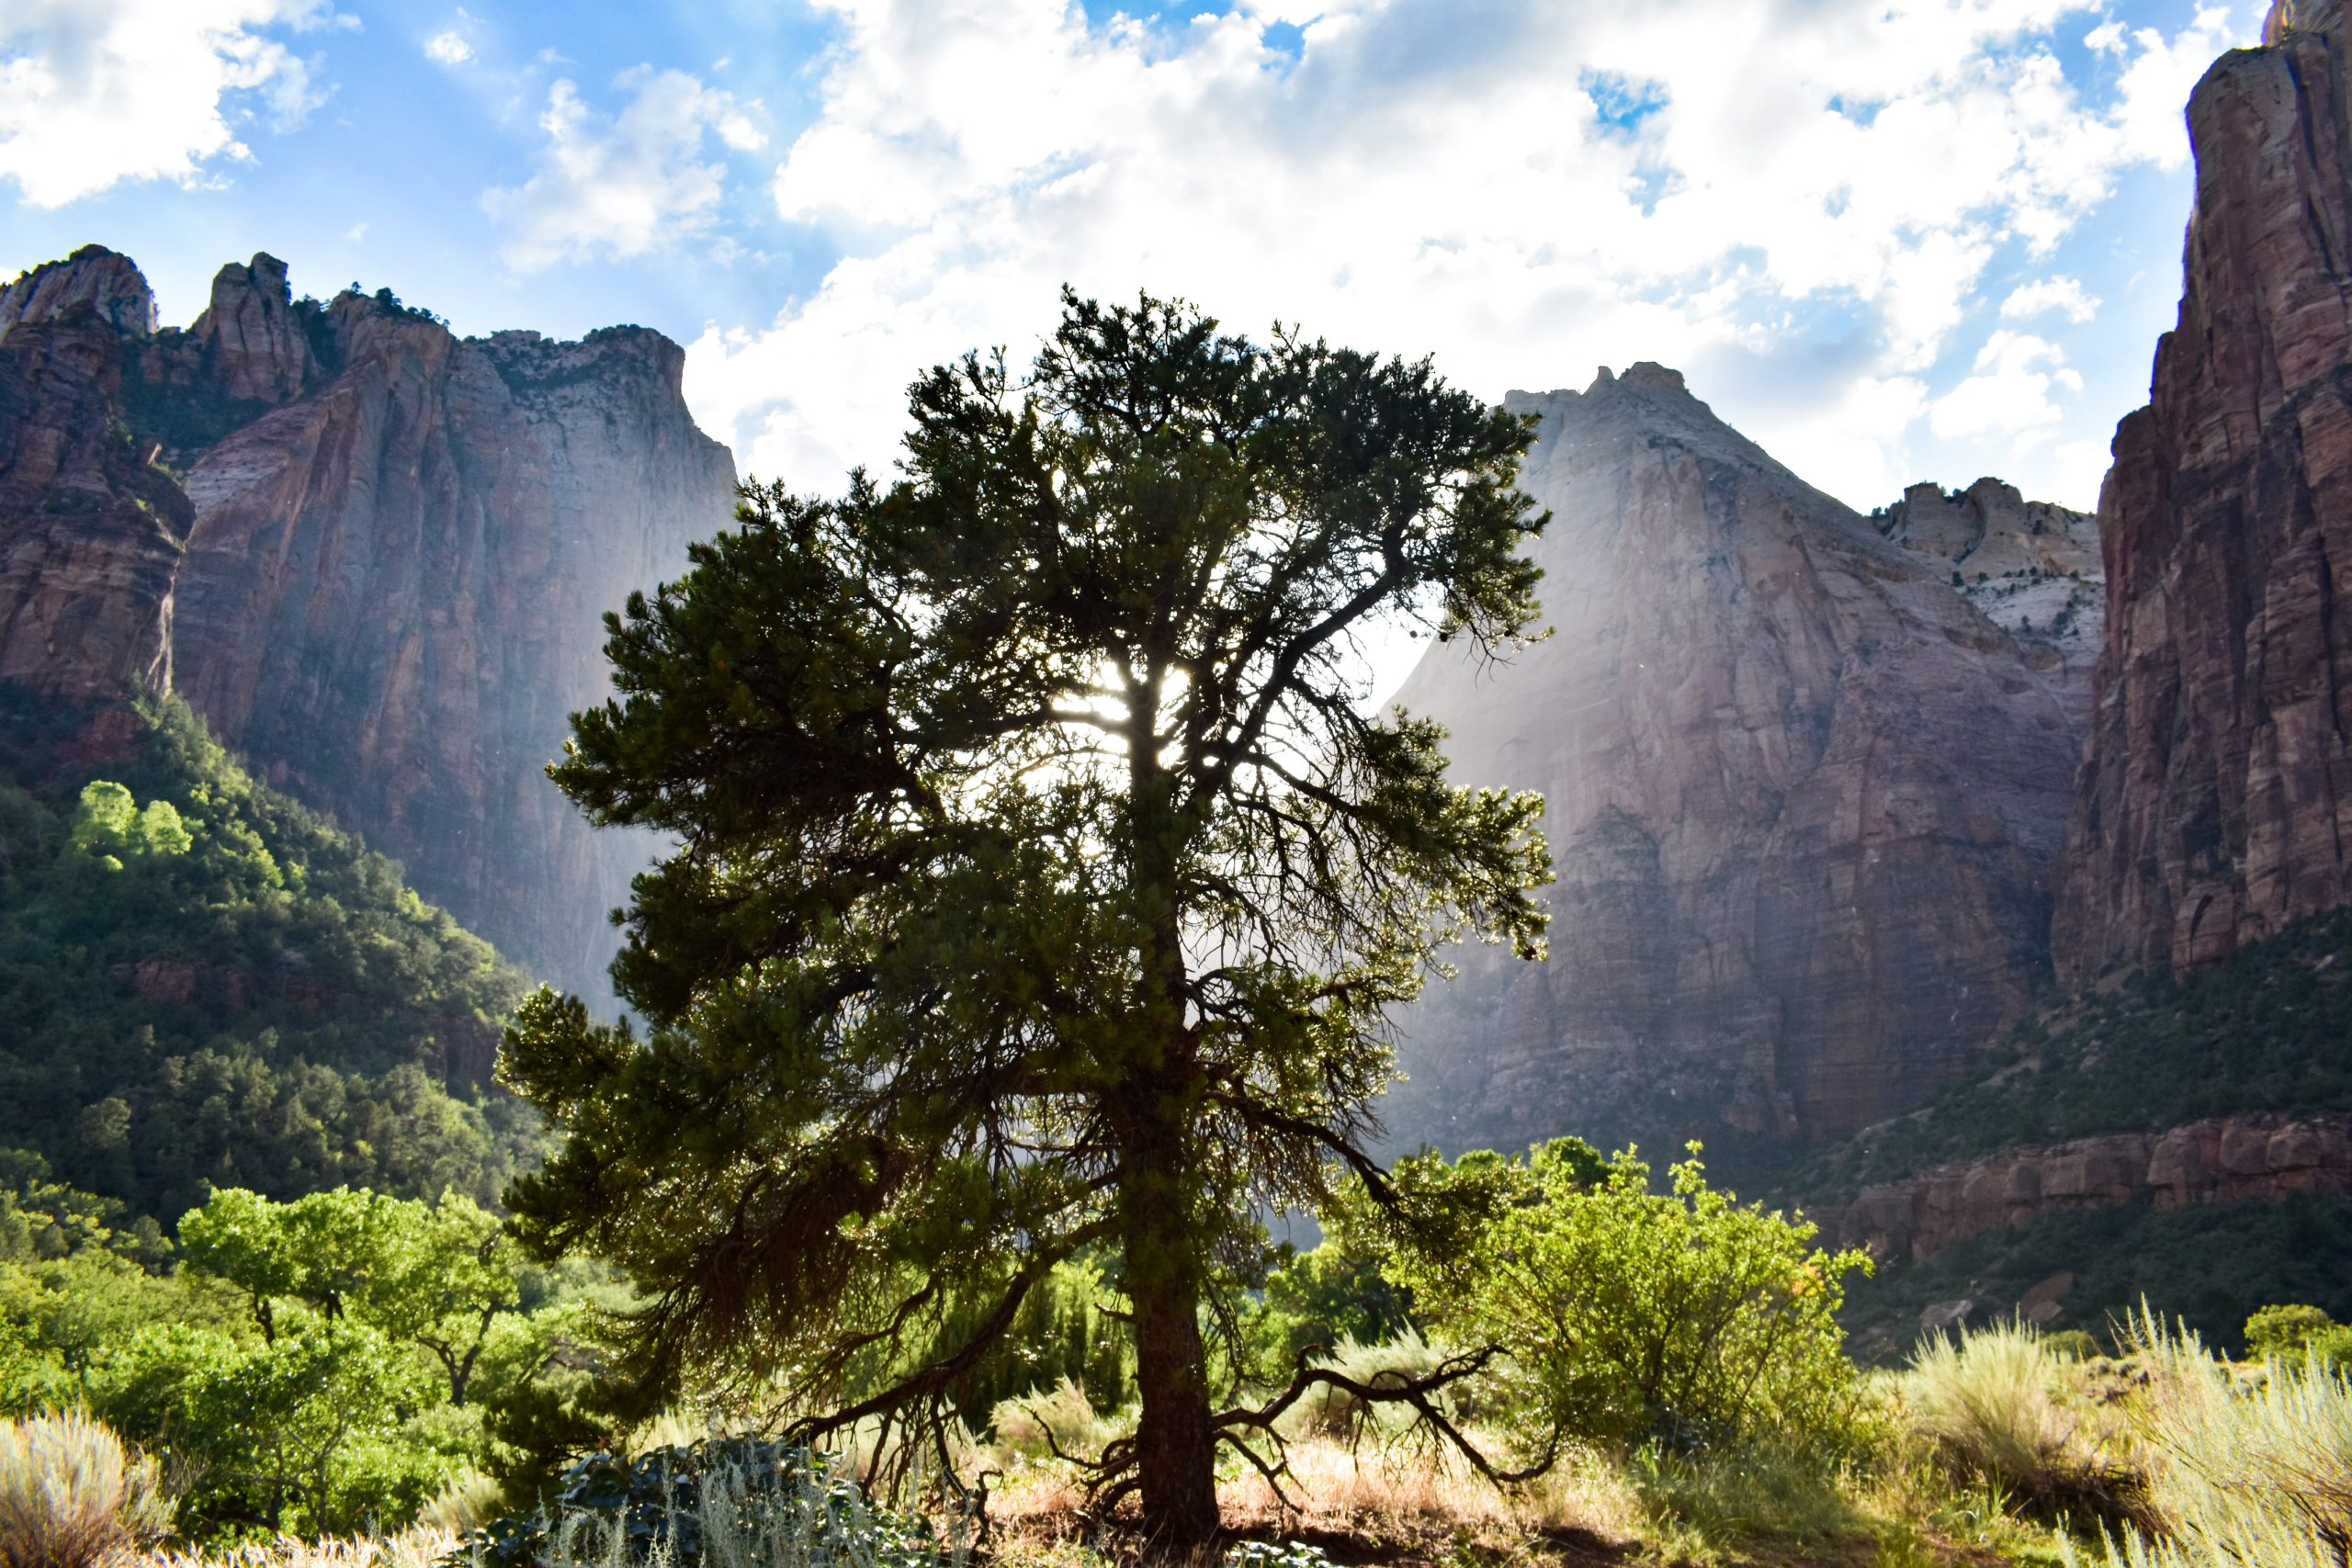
1042,876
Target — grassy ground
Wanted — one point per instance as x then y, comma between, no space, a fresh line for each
1997,1449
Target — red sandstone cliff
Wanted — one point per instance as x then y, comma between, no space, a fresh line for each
2215,800
91,532
2223,1160
1803,799
384,578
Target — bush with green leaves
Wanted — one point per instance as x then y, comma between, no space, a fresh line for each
1627,1316
2296,1334
1335,1292
728,1503
317,1366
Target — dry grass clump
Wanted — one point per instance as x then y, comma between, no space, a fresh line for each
1390,1491
421,1546
1035,1424
1998,1405
466,1501
72,1496
2242,1473
1327,1410
1395,1501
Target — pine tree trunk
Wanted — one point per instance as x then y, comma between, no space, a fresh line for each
1175,1444
1175,1447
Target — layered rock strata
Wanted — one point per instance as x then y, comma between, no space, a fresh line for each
1802,796
385,578
2225,1159
2215,803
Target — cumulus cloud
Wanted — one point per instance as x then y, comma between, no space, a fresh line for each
2064,295
622,184
1527,190
449,48
97,92
2010,394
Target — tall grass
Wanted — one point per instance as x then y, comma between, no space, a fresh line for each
2244,1472
73,1496
1034,1426
2000,1407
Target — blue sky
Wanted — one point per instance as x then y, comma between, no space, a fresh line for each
1893,239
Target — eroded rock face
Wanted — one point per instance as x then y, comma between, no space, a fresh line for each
91,532
247,337
393,595
2226,1160
2215,803
384,578
2031,566
104,282
1803,799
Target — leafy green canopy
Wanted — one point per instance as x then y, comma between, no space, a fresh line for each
317,1366
1042,878
203,984
1628,1317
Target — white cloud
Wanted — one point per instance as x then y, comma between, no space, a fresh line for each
1414,182
97,92
623,185
449,48
2045,294
2010,394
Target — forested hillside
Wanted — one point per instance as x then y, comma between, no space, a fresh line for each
203,984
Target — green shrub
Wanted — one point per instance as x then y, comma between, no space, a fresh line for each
1338,1292
1628,1317
729,1502
2296,1334
73,1496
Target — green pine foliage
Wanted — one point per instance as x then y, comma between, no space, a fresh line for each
204,985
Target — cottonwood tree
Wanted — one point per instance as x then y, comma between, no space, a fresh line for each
1041,878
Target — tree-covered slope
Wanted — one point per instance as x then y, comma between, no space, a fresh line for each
203,983
2268,1029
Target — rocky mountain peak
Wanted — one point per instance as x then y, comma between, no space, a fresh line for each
383,577
2032,567
1802,798
106,282
256,350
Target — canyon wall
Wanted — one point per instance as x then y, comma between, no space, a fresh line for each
91,531
2220,1160
1803,797
384,577
2215,802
